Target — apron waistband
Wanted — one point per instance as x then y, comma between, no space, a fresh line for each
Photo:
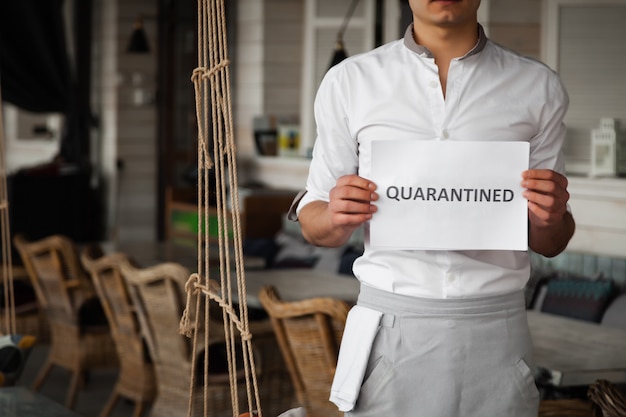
391,303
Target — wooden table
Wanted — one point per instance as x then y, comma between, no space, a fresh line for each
570,352
148,253
301,283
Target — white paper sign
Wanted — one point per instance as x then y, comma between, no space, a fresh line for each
449,195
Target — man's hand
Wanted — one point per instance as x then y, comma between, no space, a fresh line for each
546,192
351,201
551,225
331,223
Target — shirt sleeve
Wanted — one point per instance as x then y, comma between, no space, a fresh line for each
546,148
335,152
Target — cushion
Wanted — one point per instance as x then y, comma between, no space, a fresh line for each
578,298
91,316
615,313
14,351
261,247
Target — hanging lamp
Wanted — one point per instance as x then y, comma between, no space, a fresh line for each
339,54
138,43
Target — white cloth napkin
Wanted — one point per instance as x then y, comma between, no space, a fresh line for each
361,327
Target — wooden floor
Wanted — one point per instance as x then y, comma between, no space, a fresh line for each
92,398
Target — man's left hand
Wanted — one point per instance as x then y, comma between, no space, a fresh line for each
547,195
551,225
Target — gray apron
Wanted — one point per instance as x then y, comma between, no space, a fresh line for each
445,358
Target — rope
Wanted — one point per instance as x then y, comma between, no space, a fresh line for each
217,151
346,20
9,324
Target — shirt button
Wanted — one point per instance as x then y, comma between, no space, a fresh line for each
451,278
444,134
433,84
450,324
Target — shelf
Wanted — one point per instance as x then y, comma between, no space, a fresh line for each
603,187
281,172
598,206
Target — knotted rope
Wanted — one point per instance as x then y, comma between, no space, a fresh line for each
8,325
217,151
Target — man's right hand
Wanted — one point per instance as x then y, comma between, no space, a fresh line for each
331,223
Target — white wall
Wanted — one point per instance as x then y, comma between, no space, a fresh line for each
128,130
268,60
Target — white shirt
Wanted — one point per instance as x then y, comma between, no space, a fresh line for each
394,92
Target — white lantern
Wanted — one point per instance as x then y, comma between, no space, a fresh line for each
603,149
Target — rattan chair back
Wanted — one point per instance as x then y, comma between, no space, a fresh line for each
606,399
56,276
159,297
64,292
136,379
309,334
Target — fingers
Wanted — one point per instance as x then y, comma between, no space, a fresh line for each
548,201
547,195
351,200
355,181
350,220
544,180
546,213
354,189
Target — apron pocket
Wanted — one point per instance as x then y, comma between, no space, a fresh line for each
526,381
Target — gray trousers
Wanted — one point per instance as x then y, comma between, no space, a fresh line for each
448,358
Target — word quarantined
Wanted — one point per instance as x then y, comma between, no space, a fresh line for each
479,195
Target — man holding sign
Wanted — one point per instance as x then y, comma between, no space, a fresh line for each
440,325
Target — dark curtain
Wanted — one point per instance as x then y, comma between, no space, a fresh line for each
37,75
35,70
34,63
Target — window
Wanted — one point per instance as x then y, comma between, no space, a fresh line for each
30,138
323,19
584,42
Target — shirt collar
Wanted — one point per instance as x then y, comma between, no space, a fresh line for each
409,42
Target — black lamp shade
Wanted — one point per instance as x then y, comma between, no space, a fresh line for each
338,55
138,43
340,51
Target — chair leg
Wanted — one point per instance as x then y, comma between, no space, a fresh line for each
110,404
43,374
72,390
139,406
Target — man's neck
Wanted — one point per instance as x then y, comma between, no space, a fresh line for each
446,43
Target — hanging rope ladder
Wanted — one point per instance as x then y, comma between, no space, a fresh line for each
216,150
8,325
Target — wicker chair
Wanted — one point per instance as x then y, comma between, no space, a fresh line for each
29,319
158,294
80,336
309,333
606,399
136,379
